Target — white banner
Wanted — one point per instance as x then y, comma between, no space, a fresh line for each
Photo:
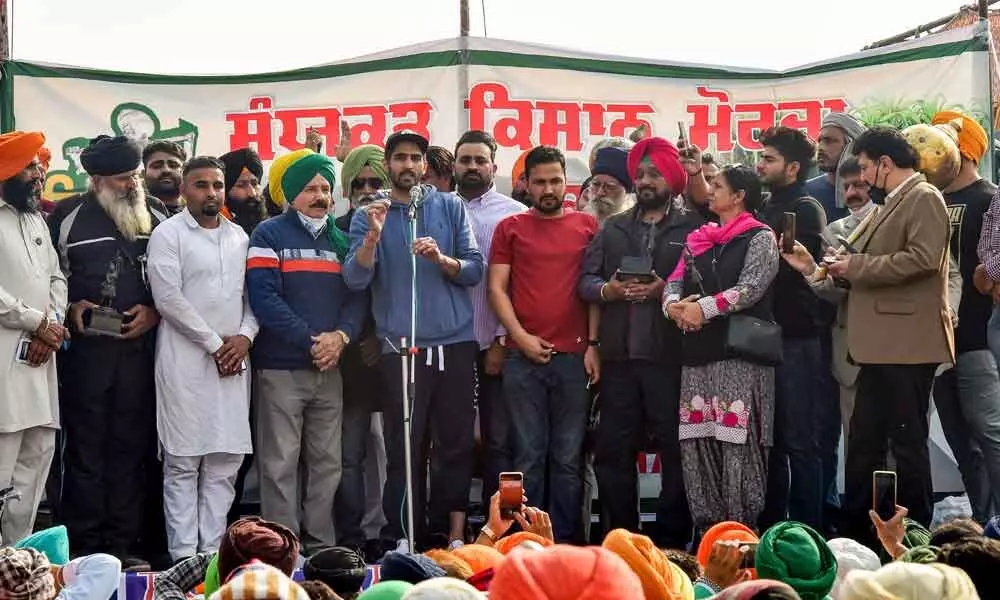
525,95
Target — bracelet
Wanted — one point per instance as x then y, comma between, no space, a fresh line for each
709,584
489,534
603,299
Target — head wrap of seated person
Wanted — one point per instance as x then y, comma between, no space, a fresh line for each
661,579
797,555
25,574
909,581
565,573
343,569
259,581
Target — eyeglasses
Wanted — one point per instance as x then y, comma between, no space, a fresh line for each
373,182
608,186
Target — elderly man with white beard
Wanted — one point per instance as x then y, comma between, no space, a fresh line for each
108,401
610,186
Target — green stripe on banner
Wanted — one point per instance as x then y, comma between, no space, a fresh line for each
500,59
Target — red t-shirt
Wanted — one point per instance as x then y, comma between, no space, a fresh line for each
545,258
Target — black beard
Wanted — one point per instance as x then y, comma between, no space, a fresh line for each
247,213
21,196
473,188
653,203
161,189
548,211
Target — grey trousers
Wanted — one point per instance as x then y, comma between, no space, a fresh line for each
25,457
299,420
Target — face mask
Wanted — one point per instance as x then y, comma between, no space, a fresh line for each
876,191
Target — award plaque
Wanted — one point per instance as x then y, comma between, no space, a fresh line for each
105,320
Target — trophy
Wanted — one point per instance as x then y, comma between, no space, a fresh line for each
105,320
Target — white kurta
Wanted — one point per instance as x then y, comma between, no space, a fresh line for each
32,286
197,278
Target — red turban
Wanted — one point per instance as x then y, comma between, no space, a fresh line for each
17,150
665,158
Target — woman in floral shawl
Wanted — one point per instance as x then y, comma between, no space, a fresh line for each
727,402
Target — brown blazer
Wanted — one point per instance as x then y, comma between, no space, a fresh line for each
897,312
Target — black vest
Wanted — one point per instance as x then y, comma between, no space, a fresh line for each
720,269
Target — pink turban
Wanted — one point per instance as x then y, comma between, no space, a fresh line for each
664,157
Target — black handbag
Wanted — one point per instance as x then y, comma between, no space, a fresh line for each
754,340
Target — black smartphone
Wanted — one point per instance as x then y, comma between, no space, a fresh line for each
846,245
681,131
511,493
636,268
788,233
884,494
749,560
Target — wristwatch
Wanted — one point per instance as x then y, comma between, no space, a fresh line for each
347,338
594,343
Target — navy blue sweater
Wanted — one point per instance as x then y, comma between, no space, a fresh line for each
296,292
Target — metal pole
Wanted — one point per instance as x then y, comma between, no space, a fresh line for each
463,67
4,30
984,9
463,28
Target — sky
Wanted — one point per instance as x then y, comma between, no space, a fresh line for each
253,36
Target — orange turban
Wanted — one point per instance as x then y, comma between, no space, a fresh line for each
505,545
565,573
479,557
661,579
454,565
973,141
17,150
519,167
45,157
726,531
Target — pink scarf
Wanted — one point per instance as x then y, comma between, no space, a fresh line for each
710,235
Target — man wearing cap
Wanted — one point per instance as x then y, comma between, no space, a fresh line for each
610,184
359,517
448,263
475,169
197,262
32,305
968,396
832,148
109,398
162,162
307,316
534,271
639,349
244,201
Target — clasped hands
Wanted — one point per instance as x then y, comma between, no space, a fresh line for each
231,355
686,313
326,349
46,339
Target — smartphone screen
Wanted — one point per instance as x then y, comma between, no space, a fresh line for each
22,350
749,560
788,233
884,494
511,492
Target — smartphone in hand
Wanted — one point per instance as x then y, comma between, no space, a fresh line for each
884,494
788,233
511,493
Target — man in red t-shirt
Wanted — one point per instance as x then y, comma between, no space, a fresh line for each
535,265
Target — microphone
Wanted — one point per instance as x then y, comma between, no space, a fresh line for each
416,195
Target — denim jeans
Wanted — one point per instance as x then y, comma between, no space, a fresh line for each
549,406
796,485
968,402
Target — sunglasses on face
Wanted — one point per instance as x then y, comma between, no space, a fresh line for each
373,182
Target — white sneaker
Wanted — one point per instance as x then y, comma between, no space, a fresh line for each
455,544
403,546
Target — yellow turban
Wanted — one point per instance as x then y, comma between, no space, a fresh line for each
661,579
973,140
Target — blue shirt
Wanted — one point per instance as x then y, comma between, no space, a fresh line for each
825,193
444,307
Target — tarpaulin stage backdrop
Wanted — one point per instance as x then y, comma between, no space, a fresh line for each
524,94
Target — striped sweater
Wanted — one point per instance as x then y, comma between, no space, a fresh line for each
296,292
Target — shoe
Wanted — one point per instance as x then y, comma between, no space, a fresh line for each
403,546
372,551
455,544
134,564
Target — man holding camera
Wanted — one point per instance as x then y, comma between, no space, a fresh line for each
640,350
109,398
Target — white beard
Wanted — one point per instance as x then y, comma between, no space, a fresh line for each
602,208
130,214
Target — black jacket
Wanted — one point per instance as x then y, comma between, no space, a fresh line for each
796,307
636,331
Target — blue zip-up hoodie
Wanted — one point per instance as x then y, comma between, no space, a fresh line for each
444,307
296,291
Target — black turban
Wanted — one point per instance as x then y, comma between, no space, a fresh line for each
108,155
237,160
342,569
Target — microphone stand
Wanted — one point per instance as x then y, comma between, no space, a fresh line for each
409,371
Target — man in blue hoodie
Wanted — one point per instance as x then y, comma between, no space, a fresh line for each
307,315
448,264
